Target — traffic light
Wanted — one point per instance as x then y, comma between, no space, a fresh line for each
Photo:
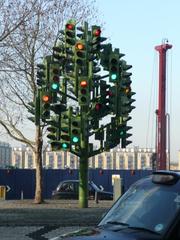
70,34
75,130
65,131
54,76
80,53
31,109
53,130
113,99
58,108
58,53
96,39
84,91
107,50
45,106
114,67
123,134
41,74
112,139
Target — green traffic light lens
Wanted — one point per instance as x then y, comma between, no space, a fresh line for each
64,145
113,76
75,139
54,86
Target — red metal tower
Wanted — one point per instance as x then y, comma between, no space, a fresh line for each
161,111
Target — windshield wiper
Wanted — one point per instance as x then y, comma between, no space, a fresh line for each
144,229
117,223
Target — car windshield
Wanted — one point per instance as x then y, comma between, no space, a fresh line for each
146,205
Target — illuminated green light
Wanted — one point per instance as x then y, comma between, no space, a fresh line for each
75,139
121,133
55,86
114,76
64,145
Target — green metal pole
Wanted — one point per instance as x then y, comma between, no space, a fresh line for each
83,166
83,181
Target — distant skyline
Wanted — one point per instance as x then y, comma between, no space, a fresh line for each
136,27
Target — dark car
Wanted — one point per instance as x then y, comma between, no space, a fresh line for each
149,210
69,189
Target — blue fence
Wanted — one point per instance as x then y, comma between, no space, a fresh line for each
24,180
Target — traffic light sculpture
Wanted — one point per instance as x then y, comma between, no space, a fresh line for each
77,96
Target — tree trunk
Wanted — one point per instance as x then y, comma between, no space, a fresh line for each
38,160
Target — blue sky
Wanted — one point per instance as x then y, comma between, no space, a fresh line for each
136,27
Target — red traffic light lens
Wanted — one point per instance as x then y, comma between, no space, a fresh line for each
110,93
56,79
83,91
69,26
97,32
79,46
45,98
98,106
55,71
83,84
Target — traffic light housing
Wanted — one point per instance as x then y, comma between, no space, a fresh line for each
96,39
70,34
54,76
114,67
41,74
83,91
65,131
81,57
45,106
113,99
75,130
123,134
53,130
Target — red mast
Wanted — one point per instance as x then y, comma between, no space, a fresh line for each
161,112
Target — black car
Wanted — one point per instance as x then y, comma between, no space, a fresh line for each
149,210
69,189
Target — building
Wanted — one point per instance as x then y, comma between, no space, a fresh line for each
130,158
5,154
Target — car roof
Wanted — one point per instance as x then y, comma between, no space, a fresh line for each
175,173
72,180
69,180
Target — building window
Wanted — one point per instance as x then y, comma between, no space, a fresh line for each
30,161
130,162
121,162
143,161
72,162
17,160
109,165
59,161
51,161
100,161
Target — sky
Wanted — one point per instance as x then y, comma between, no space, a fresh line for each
136,27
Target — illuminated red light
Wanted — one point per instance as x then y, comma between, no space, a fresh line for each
70,26
97,32
83,84
45,98
79,46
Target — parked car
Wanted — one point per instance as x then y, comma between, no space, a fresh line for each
149,210
69,189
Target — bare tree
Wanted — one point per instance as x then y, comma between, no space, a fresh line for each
32,37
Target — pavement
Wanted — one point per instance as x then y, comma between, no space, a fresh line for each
22,219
